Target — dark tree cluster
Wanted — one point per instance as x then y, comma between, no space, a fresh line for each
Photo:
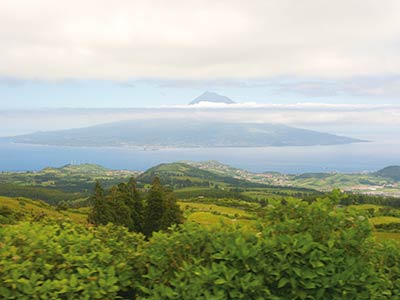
49,195
354,199
124,205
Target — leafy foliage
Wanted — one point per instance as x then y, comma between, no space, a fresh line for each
65,261
300,250
305,251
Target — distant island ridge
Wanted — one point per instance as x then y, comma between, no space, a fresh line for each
157,133
184,133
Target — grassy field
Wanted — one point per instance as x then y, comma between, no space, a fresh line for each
328,181
261,195
384,220
35,208
384,236
210,214
209,219
205,207
366,207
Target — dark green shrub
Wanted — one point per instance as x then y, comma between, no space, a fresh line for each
388,227
9,215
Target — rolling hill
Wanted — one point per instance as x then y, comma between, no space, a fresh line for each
184,175
69,182
68,178
392,172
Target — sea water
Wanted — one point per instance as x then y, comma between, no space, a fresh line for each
356,157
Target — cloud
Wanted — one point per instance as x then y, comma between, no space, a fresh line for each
335,118
288,106
362,86
199,39
203,84
13,82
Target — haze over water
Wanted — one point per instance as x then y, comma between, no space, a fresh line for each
342,158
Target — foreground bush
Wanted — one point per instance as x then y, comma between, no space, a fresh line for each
304,251
64,261
300,251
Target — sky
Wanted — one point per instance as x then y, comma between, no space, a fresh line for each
150,53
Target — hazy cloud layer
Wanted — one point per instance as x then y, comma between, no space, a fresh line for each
385,87
351,120
381,87
124,39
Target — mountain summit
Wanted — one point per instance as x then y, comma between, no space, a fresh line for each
212,97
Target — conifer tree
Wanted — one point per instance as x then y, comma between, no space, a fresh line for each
162,210
122,212
172,212
155,208
122,205
99,213
136,204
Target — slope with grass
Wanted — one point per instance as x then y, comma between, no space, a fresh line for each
34,209
180,175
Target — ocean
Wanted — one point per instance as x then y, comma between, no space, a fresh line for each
356,157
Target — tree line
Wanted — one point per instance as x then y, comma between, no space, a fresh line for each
353,199
49,195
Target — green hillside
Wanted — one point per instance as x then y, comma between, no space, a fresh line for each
207,182
180,175
392,172
69,178
363,183
17,209
344,181
67,183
